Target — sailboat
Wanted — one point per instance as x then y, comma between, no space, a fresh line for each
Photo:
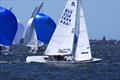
31,36
18,36
70,42
7,35
19,32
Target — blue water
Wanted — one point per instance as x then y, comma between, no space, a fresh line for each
84,71
107,69
36,71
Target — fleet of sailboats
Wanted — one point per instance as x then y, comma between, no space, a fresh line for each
40,28
70,42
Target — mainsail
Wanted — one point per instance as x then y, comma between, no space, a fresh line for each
62,39
31,36
19,33
20,30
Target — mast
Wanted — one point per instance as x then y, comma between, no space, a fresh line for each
37,10
34,12
11,8
40,8
76,30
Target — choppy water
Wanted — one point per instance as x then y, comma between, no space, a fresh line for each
36,71
107,69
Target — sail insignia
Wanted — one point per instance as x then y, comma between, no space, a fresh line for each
64,51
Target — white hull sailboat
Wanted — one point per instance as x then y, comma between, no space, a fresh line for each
69,42
30,33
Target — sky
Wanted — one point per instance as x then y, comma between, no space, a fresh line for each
102,16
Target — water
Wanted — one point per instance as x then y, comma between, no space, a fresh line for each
107,69
37,71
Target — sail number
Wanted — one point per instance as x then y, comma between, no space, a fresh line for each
66,17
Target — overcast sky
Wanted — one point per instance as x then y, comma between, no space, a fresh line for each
102,16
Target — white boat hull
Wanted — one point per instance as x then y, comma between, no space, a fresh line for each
41,59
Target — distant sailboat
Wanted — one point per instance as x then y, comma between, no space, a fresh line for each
30,36
18,36
7,29
70,41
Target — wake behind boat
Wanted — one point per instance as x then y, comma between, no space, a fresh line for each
69,43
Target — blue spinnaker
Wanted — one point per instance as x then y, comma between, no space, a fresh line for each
8,26
44,26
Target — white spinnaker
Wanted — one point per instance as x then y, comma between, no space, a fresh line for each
19,33
83,51
30,36
62,40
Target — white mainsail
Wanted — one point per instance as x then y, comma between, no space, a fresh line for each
62,39
83,51
19,33
20,30
31,37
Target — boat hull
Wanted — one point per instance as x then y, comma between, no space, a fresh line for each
42,59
